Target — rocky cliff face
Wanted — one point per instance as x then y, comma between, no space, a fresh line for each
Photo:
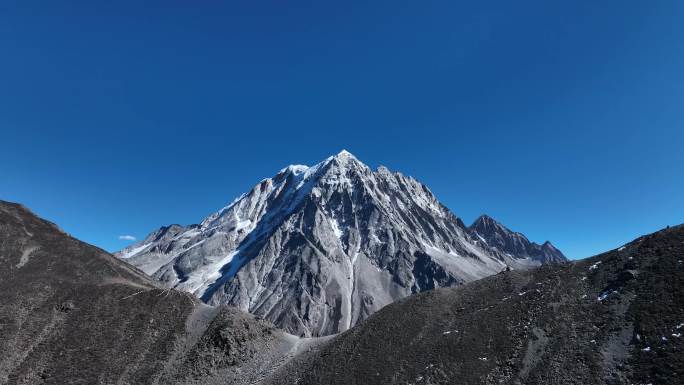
513,243
317,249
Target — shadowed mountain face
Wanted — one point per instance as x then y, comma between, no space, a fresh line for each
616,318
509,242
69,308
315,250
72,314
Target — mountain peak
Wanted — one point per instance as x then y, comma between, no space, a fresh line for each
484,218
355,239
341,158
508,241
486,224
345,154
548,245
383,170
344,158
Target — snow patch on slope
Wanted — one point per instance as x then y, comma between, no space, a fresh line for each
133,251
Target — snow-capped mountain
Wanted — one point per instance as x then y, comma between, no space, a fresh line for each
317,249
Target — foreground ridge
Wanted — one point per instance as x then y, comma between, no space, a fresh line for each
72,313
617,318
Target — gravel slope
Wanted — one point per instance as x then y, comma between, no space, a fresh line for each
612,319
71,313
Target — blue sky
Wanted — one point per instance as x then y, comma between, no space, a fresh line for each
564,120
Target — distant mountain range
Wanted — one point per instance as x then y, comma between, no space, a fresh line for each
315,250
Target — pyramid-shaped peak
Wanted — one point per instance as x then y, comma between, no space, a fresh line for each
345,159
486,225
485,220
348,228
345,154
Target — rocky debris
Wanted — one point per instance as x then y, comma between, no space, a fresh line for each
525,327
73,314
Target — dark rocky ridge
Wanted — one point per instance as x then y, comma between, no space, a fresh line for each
71,313
616,318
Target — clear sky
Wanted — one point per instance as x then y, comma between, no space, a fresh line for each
562,119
